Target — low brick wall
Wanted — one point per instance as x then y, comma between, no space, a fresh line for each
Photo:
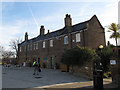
86,71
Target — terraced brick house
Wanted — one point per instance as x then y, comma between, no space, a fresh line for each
48,48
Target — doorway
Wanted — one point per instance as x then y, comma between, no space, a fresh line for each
52,62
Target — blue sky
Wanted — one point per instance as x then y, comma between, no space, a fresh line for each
21,17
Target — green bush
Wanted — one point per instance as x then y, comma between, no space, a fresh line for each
105,55
77,56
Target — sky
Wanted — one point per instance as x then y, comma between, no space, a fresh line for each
27,16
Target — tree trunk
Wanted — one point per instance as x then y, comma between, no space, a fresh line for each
116,40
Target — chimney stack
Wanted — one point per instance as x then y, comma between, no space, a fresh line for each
26,36
42,30
68,20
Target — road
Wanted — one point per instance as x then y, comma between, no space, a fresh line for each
15,77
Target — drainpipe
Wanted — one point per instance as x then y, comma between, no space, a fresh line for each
84,38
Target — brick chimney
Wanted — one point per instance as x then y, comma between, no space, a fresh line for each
26,36
42,30
68,20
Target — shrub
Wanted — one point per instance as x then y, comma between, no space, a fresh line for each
105,55
77,56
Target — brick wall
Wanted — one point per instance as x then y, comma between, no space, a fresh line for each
96,35
91,37
85,71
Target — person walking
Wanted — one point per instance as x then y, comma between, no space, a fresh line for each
36,65
39,68
24,64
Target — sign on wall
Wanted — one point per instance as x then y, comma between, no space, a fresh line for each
45,58
112,62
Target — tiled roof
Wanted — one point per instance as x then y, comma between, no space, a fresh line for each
80,26
74,28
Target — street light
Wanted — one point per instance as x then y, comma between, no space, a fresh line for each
98,73
101,47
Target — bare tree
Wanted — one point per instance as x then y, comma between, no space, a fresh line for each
7,54
1,51
14,45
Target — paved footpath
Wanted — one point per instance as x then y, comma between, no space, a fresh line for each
15,77
87,84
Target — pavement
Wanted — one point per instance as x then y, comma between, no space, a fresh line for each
15,77
0,76
88,84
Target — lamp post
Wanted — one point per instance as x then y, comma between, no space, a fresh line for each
101,47
98,72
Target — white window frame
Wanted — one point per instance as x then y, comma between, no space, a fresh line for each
78,37
28,48
20,49
31,47
43,44
51,43
66,40
25,48
36,45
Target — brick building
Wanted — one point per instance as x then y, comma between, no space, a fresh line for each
48,48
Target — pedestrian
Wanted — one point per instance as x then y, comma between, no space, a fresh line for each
24,64
36,65
39,68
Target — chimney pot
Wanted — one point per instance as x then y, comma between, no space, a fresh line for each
26,36
42,26
66,15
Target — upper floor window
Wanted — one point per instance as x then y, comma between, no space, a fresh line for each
36,45
66,40
20,49
78,37
28,48
44,44
31,47
51,43
25,48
